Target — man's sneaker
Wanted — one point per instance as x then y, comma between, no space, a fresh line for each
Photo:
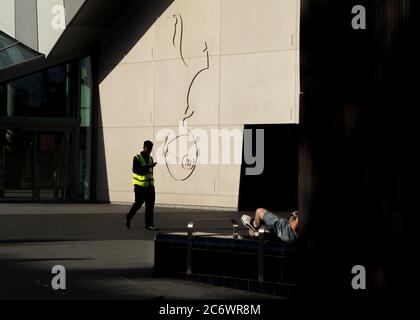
294,213
151,228
127,223
248,222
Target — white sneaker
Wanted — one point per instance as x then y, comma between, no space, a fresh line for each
248,222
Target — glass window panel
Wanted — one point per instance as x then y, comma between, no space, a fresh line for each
16,164
5,41
53,165
12,52
85,129
48,94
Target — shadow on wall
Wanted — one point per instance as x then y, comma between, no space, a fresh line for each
132,24
102,189
276,189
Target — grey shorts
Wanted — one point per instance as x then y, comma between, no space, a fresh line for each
281,226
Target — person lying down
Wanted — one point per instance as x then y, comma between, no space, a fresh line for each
285,229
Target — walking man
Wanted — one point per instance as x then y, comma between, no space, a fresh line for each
144,187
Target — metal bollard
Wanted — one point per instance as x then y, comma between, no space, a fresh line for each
190,228
261,240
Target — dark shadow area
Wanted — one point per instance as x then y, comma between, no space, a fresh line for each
100,174
358,165
26,282
22,282
276,189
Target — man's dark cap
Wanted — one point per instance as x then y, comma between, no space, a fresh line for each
148,143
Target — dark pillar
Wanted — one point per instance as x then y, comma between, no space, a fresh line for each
358,140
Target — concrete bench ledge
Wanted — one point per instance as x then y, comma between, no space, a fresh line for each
267,266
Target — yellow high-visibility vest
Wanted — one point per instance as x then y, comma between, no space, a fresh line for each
147,179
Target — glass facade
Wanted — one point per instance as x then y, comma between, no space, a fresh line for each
85,131
53,165
16,164
12,52
46,133
45,94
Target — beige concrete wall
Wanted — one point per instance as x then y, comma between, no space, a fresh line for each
253,78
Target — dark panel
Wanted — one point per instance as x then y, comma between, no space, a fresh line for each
276,188
26,23
358,163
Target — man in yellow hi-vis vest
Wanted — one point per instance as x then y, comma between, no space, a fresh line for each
144,186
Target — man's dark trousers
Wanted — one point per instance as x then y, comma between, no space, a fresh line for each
143,195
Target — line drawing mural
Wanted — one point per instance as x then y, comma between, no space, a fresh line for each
178,19
188,162
193,81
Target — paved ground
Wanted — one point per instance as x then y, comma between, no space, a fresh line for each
103,260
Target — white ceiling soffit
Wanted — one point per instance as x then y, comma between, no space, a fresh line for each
87,26
7,17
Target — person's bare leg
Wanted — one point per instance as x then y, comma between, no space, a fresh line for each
294,222
259,214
